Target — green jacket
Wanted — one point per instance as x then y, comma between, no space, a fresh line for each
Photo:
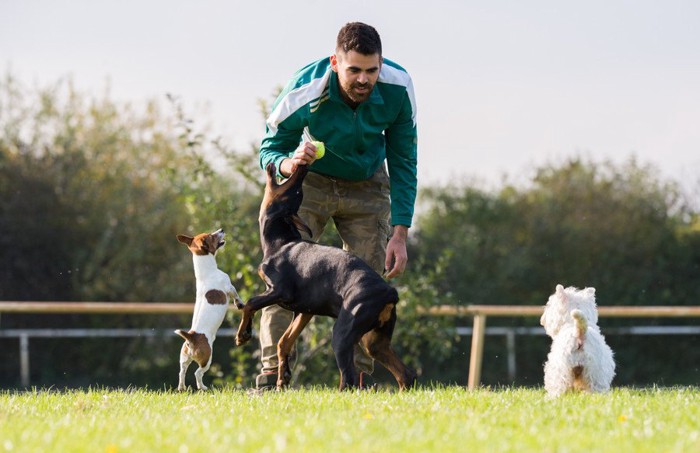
357,141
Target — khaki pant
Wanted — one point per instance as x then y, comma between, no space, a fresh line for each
360,211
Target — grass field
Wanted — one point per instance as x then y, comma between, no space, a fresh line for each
440,419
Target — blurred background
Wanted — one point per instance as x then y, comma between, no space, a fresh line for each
558,143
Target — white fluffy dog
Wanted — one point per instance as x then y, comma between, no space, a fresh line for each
579,359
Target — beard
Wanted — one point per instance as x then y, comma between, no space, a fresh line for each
357,92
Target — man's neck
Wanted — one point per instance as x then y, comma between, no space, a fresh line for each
349,102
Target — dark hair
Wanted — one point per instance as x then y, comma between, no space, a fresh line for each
361,38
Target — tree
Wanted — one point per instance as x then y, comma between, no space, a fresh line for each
92,195
582,224
620,229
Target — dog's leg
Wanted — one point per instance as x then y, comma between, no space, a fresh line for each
185,360
343,342
285,345
245,329
197,348
558,378
377,342
236,299
595,377
199,374
378,345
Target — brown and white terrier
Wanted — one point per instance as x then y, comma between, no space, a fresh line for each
214,292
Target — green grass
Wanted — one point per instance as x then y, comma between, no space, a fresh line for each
440,419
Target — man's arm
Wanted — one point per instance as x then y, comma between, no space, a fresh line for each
402,150
401,157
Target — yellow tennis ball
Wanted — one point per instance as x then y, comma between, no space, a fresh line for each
320,149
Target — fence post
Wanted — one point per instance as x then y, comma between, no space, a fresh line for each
477,351
510,345
24,359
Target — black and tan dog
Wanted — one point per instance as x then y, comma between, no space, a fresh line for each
312,279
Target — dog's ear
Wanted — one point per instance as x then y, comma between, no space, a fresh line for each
187,240
590,291
561,294
271,174
300,225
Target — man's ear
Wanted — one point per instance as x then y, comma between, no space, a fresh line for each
334,63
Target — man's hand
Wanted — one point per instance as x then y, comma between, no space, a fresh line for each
396,255
305,154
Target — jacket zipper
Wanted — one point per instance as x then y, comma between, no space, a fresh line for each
358,135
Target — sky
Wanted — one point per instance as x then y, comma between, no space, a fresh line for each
502,86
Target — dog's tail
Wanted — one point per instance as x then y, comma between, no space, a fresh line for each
184,334
581,326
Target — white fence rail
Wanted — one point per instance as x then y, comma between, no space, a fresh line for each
478,332
481,312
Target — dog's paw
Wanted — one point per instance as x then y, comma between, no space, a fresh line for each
242,338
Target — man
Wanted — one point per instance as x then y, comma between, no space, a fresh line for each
363,108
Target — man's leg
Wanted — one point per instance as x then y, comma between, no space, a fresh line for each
363,224
274,320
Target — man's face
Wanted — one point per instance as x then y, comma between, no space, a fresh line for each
357,74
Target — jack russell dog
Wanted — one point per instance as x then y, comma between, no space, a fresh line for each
214,292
